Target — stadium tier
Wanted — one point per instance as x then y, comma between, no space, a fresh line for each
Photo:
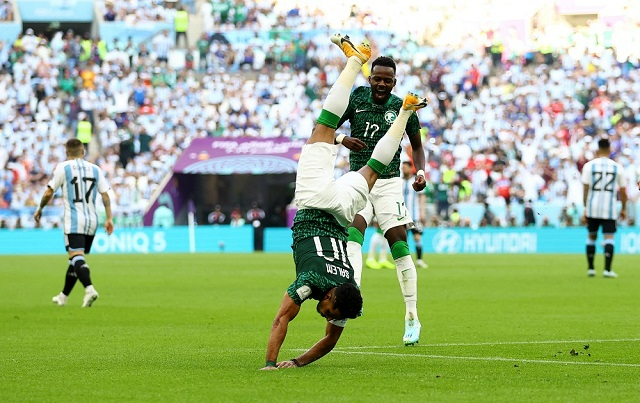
506,125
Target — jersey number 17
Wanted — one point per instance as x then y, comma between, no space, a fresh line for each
77,195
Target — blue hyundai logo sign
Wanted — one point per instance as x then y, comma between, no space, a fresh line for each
447,241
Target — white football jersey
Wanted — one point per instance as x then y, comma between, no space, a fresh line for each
411,198
81,181
604,177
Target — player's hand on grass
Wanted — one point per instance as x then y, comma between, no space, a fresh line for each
419,184
108,226
287,364
354,144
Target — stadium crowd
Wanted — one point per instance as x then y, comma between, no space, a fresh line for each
6,11
501,128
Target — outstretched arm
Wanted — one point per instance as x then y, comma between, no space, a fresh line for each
319,350
287,312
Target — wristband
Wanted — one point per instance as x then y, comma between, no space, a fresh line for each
420,173
270,364
293,360
339,138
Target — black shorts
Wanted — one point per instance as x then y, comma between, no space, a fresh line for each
608,226
77,242
416,228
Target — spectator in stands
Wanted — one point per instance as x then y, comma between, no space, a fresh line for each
216,217
6,11
237,219
529,215
84,132
163,217
110,14
489,219
255,214
161,46
181,25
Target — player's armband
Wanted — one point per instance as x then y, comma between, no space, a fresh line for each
339,322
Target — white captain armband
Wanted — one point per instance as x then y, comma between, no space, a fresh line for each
304,292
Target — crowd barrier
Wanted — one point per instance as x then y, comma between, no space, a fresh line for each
221,239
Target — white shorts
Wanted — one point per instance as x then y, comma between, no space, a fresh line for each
387,204
316,187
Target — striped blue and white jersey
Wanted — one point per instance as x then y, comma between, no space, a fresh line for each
604,177
81,181
411,199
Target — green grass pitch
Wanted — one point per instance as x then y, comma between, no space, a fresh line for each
496,328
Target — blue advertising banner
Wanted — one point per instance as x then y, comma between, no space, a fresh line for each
489,240
56,10
209,239
220,239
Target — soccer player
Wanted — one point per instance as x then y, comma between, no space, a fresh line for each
602,179
371,112
326,206
378,245
416,206
81,181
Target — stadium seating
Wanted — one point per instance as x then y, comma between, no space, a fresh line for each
515,117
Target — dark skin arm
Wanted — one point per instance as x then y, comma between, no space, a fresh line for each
354,144
287,312
318,350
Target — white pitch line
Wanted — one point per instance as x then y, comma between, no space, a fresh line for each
519,360
497,343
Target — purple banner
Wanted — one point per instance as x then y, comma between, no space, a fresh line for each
218,156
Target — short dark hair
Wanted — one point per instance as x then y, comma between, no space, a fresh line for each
348,300
74,147
384,61
604,144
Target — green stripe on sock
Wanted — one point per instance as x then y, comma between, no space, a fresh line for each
329,119
376,165
400,249
355,235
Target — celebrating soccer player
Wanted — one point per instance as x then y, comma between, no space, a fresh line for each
372,111
325,207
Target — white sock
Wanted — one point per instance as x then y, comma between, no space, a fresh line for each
89,289
384,249
338,98
354,253
375,244
388,144
408,279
